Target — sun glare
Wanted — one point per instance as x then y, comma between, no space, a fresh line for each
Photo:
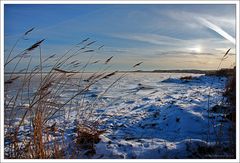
196,49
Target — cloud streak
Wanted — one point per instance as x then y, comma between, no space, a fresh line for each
217,29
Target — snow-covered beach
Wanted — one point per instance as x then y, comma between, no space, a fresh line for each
146,116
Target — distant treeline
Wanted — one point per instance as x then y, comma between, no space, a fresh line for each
221,72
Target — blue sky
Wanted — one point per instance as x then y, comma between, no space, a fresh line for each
162,36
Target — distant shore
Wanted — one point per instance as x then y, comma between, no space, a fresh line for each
192,71
174,71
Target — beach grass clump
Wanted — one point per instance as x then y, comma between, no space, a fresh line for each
36,107
34,99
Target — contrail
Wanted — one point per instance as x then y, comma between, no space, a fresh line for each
217,29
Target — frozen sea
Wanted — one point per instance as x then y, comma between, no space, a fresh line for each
148,115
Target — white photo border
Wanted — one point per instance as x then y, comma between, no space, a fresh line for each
3,2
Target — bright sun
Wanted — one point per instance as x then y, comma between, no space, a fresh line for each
196,49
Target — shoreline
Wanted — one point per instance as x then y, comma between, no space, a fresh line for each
223,71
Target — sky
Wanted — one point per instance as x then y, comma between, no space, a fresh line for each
161,36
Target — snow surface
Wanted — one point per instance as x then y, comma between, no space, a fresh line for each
153,115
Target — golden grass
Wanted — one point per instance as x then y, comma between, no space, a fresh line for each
39,109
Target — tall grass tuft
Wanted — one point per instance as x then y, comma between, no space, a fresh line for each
31,126
225,106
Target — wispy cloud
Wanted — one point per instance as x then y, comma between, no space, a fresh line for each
186,53
171,42
149,38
